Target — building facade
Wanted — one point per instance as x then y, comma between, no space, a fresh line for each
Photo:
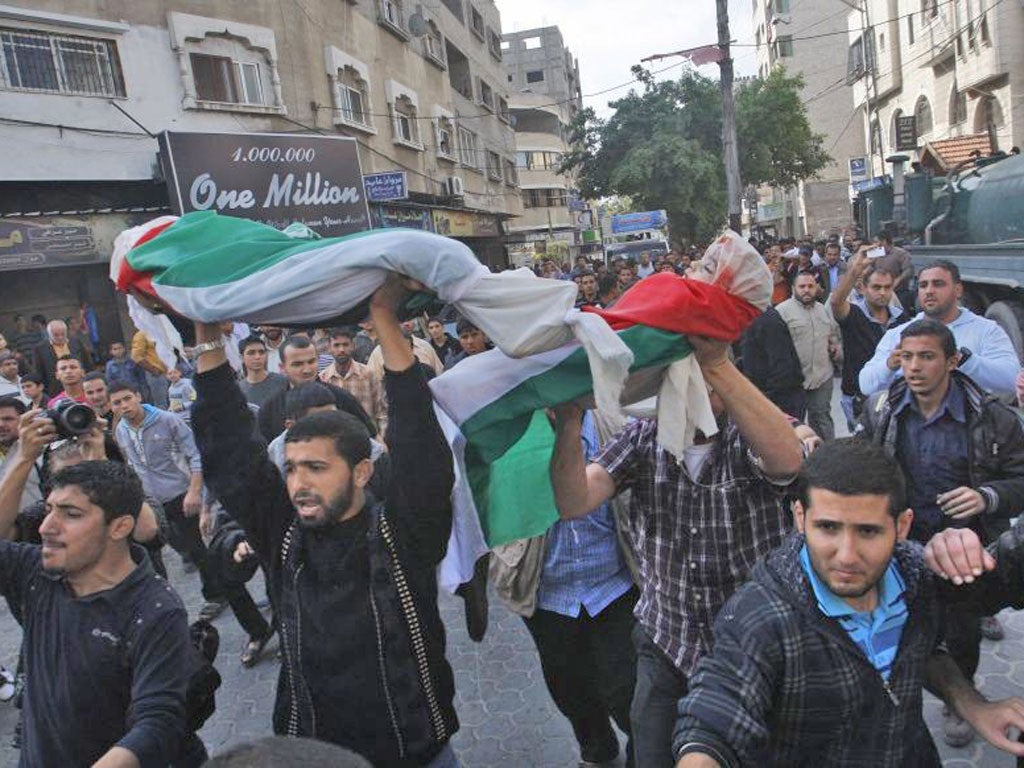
804,37
956,68
86,87
543,79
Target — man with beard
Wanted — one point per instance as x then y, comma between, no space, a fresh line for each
816,338
97,397
106,649
863,320
353,580
697,522
986,352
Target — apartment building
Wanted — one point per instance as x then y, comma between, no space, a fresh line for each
543,79
955,66
805,38
87,87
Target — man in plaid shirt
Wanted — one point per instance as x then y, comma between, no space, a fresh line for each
698,523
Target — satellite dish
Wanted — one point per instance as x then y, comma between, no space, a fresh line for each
418,23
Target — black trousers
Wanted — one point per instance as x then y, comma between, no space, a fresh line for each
187,541
659,687
589,668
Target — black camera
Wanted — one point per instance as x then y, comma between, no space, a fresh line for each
72,419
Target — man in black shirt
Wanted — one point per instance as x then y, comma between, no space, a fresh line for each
106,649
863,319
353,580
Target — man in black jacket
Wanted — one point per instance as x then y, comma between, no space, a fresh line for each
352,579
963,455
770,361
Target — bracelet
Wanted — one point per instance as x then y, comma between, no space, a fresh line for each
207,346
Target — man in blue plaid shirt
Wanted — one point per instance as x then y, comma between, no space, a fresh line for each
698,524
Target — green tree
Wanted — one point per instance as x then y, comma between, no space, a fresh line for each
662,147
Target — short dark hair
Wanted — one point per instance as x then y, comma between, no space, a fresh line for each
351,440
435,319
928,327
249,341
119,385
111,486
884,236
300,399
115,341
295,342
13,401
94,375
586,273
853,466
877,269
38,319
62,358
286,752
607,283
33,378
949,266
464,325
800,273
344,331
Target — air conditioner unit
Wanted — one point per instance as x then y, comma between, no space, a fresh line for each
453,187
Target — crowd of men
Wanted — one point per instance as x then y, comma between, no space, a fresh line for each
774,596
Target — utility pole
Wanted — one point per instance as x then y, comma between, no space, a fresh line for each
729,150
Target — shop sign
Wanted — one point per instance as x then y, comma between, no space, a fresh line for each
858,169
381,187
638,222
40,243
465,224
771,211
409,218
273,178
906,133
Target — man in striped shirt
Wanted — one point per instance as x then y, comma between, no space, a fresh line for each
822,658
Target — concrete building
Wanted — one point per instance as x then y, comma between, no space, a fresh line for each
804,37
543,79
85,86
956,67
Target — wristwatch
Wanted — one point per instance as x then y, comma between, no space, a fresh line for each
965,355
207,346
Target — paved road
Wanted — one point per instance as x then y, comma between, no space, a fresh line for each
507,717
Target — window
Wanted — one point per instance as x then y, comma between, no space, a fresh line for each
486,95
894,132
859,61
444,132
405,122
910,28
494,44
506,45
43,61
352,97
390,16
503,109
511,175
455,6
930,8
535,76
957,106
876,138
467,149
458,70
544,198
532,43
539,161
494,165
784,46
433,44
983,31
476,23
923,116
781,6
219,78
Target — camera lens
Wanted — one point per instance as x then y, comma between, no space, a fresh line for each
79,418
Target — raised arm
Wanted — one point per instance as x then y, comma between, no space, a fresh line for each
840,298
765,428
234,459
34,434
579,487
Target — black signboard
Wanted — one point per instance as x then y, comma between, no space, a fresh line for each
38,243
273,178
906,133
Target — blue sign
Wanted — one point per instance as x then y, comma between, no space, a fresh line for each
381,187
410,218
866,186
638,222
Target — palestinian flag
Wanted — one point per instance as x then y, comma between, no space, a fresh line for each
492,406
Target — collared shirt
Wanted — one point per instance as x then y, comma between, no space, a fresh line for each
65,396
812,328
696,539
861,334
877,633
583,566
933,453
423,350
364,386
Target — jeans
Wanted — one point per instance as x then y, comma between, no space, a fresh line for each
589,666
846,401
819,410
188,542
659,687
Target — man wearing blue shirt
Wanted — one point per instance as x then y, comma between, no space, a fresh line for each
986,352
